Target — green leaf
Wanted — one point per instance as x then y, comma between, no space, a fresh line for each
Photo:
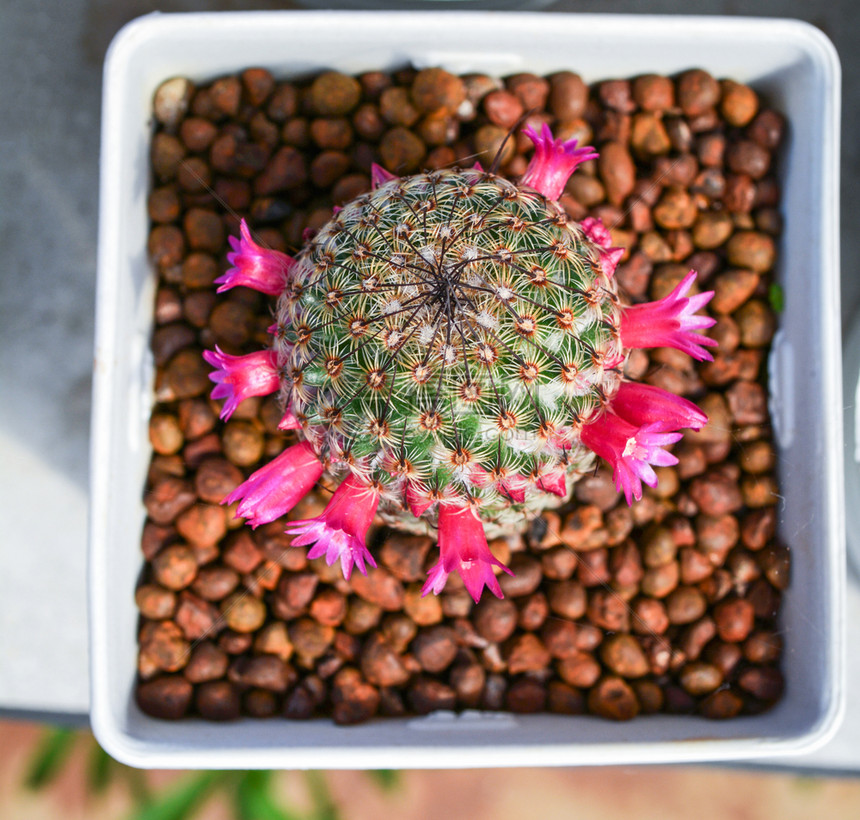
255,801
49,757
386,779
776,297
324,806
99,767
178,802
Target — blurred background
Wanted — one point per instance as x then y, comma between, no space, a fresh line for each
50,62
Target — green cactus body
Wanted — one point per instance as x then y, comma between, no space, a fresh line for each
454,328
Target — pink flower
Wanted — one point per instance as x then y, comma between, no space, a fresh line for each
239,377
554,482
630,451
254,266
289,421
609,260
419,498
277,487
596,231
379,176
670,322
513,487
463,549
553,162
642,404
340,532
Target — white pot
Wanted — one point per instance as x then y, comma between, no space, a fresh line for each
790,63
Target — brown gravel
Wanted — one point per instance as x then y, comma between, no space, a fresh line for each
669,606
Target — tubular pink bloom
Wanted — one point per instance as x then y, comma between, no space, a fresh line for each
341,531
289,421
379,176
630,451
670,322
239,377
554,482
463,549
419,499
254,266
553,162
609,260
513,487
642,404
277,487
596,231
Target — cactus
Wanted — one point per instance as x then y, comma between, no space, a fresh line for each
450,348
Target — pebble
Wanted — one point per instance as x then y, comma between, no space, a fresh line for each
568,96
333,94
700,678
617,171
435,648
624,656
734,619
167,697
613,698
434,89
711,200
495,619
243,613
580,670
428,695
526,696
697,92
175,567
653,92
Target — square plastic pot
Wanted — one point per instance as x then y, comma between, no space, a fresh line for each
792,64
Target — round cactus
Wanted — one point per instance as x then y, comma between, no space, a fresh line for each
450,348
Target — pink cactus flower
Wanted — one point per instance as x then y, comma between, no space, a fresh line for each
609,260
255,267
379,176
553,162
239,377
419,499
642,404
463,548
277,487
289,421
341,531
596,231
629,450
554,482
670,322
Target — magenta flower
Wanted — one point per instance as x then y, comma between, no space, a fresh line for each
629,450
463,549
554,482
553,162
340,532
419,499
239,377
277,487
642,404
596,231
670,322
379,176
513,487
609,260
289,421
254,266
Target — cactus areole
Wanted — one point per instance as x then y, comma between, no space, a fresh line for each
449,348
